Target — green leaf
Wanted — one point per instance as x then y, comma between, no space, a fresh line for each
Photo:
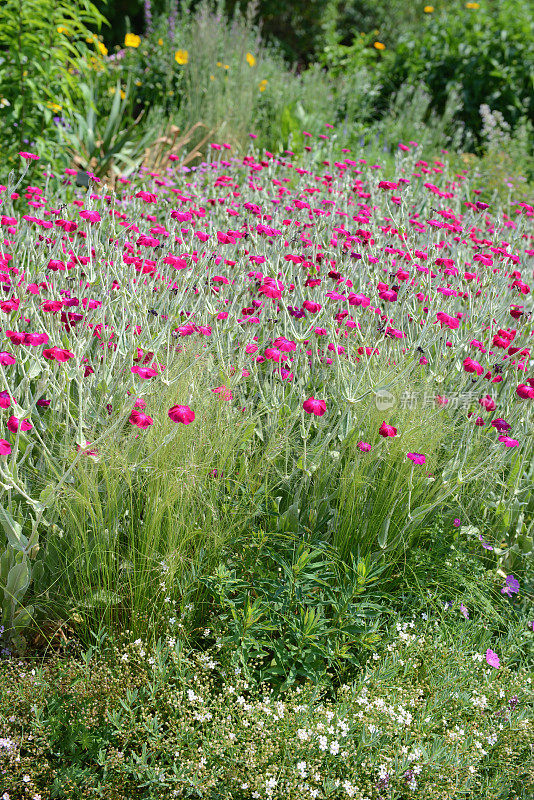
13,531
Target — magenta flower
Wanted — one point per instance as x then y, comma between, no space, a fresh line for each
417,458
5,400
508,442
492,659
13,424
5,448
313,406
90,216
387,430
363,446
57,354
457,522
473,366
181,414
501,425
140,419
144,372
525,392
6,359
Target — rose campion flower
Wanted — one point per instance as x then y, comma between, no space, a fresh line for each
6,359
492,659
140,419
90,216
525,392
363,446
501,425
387,430
5,448
5,400
473,366
313,406
57,354
417,458
13,424
181,414
508,442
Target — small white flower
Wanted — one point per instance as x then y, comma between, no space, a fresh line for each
334,748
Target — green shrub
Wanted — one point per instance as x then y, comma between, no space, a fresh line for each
483,52
43,46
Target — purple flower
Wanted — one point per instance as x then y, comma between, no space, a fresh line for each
485,545
511,586
492,659
464,611
457,522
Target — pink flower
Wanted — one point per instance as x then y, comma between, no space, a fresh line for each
417,458
508,442
29,156
57,354
6,358
5,448
90,216
224,391
13,424
387,430
5,400
492,659
140,419
144,372
181,414
313,406
363,446
473,366
457,522
525,392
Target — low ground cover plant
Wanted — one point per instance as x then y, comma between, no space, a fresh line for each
433,713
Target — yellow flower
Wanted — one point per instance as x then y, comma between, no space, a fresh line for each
64,30
428,9
251,61
138,82
379,46
212,77
219,63
123,94
472,5
226,66
263,85
181,56
54,106
160,42
132,40
102,48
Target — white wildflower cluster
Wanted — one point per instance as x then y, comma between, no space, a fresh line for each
495,129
